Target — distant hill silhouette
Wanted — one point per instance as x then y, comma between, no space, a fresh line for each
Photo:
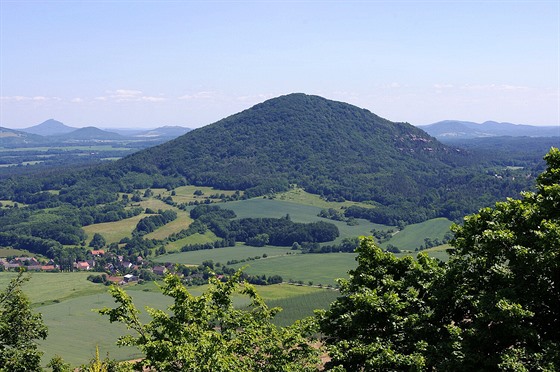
89,134
50,127
450,129
165,131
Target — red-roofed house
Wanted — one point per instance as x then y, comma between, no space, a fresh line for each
82,265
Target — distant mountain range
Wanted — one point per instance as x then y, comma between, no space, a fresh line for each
53,131
455,129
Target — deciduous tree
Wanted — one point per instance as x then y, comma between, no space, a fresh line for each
207,333
19,330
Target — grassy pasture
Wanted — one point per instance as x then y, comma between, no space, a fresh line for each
113,232
318,268
75,328
185,194
260,207
182,222
412,236
67,302
301,306
7,252
155,204
46,288
176,246
223,255
300,196
9,203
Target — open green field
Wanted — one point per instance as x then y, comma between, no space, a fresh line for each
45,288
185,194
9,203
7,252
261,207
113,232
182,222
317,268
412,236
67,302
300,196
301,306
222,255
197,238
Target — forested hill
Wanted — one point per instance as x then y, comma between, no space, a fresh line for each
322,145
329,148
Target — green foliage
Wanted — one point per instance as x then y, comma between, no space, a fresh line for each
504,306
207,333
151,223
382,320
57,364
98,241
19,330
494,306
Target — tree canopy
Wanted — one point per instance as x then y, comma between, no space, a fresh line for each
207,333
494,306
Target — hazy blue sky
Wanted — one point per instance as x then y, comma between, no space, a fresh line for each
190,63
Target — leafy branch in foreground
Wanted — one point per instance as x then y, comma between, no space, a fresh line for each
19,328
208,333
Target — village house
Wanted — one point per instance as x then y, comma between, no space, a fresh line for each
128,278
82,265
159,270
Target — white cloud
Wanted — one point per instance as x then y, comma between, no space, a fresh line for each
443,86
152,99
127,92
198,95
35,98
77,100
129,95
494,87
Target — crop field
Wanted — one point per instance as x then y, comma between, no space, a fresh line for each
182,222
298,307
67,302
222,255
260,207
300,196
113,231
176,246
46,288
75,328
185,194
412,236
317,268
